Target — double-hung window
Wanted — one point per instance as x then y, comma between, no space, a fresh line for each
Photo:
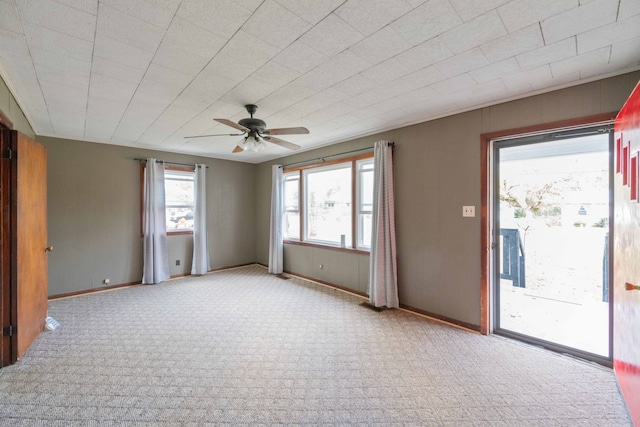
179,186
179,199
330,204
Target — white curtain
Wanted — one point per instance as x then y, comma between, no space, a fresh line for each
200,263
383,276
156,256
276,245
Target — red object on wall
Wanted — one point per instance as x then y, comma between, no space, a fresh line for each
626,270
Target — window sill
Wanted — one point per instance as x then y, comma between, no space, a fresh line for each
329,247
179,233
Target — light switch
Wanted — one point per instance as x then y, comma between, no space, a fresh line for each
468,211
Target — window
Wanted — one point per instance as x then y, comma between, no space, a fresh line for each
179,194
179,187
336,202
292,205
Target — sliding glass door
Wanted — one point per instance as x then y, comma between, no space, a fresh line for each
551,210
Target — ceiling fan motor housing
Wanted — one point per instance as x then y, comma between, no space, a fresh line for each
253,124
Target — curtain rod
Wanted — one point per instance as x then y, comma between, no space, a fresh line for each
169,163
390,144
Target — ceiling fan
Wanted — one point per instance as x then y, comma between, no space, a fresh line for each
255,133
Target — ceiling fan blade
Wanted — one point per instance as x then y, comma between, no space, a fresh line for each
286,131
217,134
281,142
238,149
232,124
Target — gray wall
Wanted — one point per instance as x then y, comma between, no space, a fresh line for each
437,171
94,214
12,110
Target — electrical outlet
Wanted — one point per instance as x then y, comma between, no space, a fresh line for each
106,281
468,211
177,262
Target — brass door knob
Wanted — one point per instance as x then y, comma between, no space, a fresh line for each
48,249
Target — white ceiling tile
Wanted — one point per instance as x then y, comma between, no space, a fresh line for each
276,25
100,107
368,16
311,11
626,53
129,30
156,12
467,61
628,8
75,98
343,66
155,93
300,57
61,44
68,123
275,74
543,82
99,128
469,9
386,71
421,78
67,65
14,43
165,76
512,44
9,20
228,67
115,70
609,34
197,98
521,13
316,80
250,91
427,21
522,81
454,84
286,96
581,62
495,70
179,59
480,30
111,89
425,54
224,18
121,53
331,36
380,46
22,70
67,77
89,6
193,39
58,17
246,48
355,85
579,20
547,54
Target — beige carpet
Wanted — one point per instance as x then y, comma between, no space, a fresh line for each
241,347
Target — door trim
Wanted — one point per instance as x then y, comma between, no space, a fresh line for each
486,326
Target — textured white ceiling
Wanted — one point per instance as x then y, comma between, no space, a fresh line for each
146,73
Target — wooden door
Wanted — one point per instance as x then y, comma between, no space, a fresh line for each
29,240
5,242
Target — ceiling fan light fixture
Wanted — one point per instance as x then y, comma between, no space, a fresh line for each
252,143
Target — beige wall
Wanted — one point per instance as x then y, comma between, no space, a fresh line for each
437,171
94,214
